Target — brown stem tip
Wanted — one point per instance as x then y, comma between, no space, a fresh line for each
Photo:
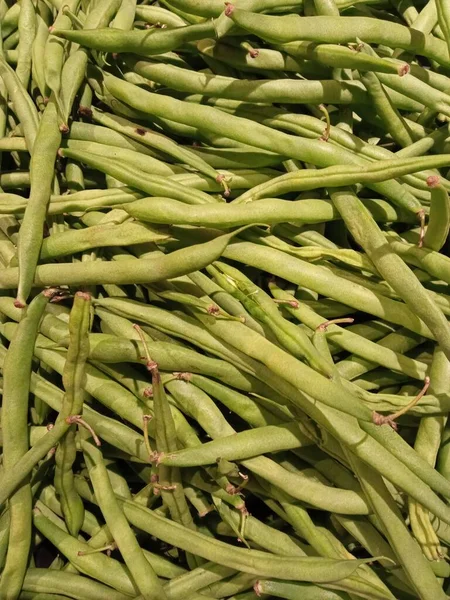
229,9
390,419
404,70
433,181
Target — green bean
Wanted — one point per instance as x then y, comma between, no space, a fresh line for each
261,90
265,59
155,140
249,561
224,300
109,429
143,575
267,210
27,33
439,220
37,56
258,413
148,164
79,587
338,31
72,76
96,565
176,325
390,266
313,277
125,16
332,55
23,467
200,407
41,176
407,552
232,158
386,111
197,579
296,591
239,129
102,135
427,444
74,382
55,49
342,175
72,241
352,342
169,478
443,15
23,106
15,441
149,270
147,42
10,20
261,306
128,174
246,444
355,437
421,91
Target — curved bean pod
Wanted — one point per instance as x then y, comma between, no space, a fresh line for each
250,561
147,42
148,270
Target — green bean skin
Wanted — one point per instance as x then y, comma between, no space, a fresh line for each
338,56
169,477
443,14
267,210
146,136
74,382
98,565
249,561
54,50
147,42
15,441
439,220
144,576
267,59
339,31
27,32
246,131
38,580
246,444
261,90
149,270
408,553
46,146
23,106
124,18
72,241
296,591
393,269
151,184
24,466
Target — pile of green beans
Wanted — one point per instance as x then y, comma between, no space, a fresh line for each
224,300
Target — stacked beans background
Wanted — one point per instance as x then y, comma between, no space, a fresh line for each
224,300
